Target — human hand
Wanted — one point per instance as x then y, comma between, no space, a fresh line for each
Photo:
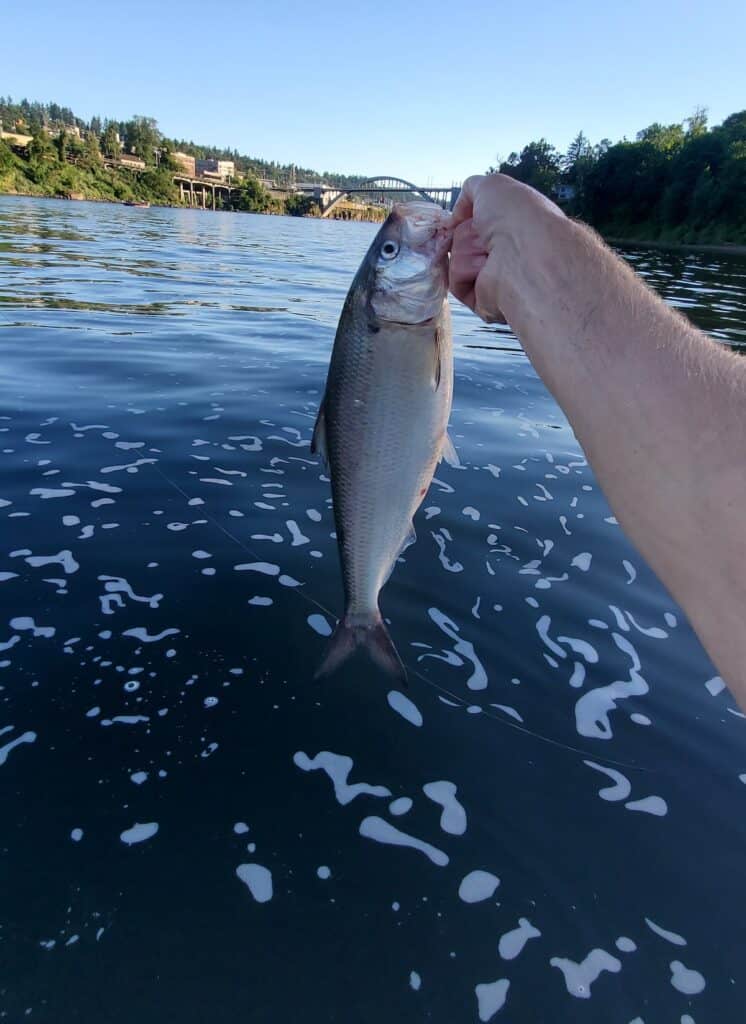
491,213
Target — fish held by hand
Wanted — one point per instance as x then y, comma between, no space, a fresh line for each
382,423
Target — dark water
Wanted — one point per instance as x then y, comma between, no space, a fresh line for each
160,377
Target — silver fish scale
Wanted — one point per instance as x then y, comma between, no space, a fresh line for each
385,429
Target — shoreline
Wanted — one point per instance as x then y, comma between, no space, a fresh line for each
720,248
724,248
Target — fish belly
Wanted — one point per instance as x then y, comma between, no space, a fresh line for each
388,430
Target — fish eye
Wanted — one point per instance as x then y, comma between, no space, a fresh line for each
389,250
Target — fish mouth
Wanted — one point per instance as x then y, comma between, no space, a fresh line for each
425,223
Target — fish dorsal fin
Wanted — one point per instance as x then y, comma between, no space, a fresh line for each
448,452
318,441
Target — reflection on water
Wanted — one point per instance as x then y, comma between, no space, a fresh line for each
194,829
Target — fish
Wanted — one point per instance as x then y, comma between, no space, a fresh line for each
382,424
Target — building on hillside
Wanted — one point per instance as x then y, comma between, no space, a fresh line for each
185,163
212,168
134,163
15,139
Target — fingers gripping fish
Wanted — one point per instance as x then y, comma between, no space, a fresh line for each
382,423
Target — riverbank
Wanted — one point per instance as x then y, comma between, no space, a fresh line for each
730,248
87,177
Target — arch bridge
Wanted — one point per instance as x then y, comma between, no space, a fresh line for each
385,189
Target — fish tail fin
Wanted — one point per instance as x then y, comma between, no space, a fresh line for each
368,632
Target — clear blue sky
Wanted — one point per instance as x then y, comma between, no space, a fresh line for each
431,96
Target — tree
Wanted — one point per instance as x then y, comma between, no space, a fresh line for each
96,125
538,165
110,142
141,136
253,197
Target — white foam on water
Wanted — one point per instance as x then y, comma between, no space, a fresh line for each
445,561
289,581
76,835
138,778
578,674
26,737
201,554
508,711
478,885
621,788
652,631
267,568
260,602
491,997
400,806
715,685
338,768
63,558
45,493
471,513
582,561
581,647
542,628
688,981
415,981
625,945
382,831
580,976
453,818
7,576
319,624
240,828
593,708
125,720
139,833
478,679
314,515
639,719
404,707
258,879
141,633
511,943
655,805
296,537
631,571
25,622
672,937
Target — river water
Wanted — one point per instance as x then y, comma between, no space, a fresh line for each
192,829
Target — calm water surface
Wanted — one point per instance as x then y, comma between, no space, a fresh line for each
193,830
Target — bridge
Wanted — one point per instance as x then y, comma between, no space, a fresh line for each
202,191
381,191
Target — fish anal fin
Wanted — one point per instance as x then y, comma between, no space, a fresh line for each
448,452
372,635
318,441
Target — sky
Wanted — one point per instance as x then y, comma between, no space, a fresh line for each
431,92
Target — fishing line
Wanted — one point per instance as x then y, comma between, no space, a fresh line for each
411,671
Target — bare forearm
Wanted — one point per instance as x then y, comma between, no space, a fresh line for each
658,407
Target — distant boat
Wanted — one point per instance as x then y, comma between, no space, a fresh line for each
136,202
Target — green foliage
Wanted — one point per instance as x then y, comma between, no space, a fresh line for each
677,182
299,205
253,197
539,165
110,143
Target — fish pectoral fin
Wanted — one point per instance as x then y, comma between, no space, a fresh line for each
318,441
448,452
373,637
436,364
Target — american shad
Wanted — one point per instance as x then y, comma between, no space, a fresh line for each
382,423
